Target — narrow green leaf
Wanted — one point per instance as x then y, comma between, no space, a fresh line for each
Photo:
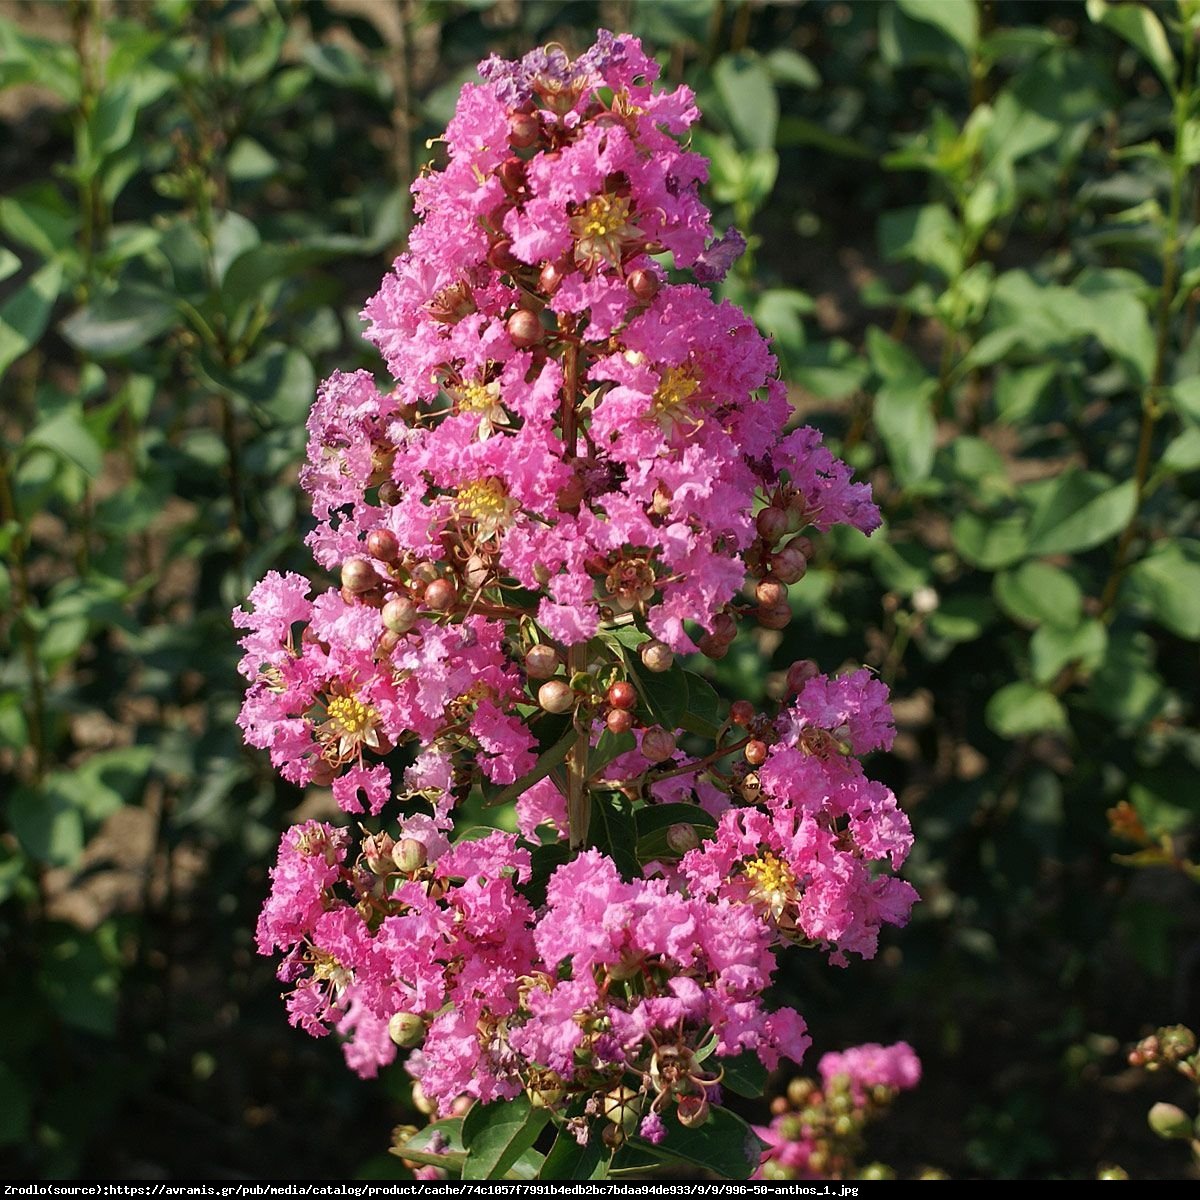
25,315
496,1135
1080,511
612,830
1140,27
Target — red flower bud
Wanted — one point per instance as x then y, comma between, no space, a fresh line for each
382,544
524,329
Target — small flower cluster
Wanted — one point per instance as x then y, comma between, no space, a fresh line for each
579,470
817,1130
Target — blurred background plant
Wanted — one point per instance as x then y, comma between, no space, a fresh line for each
973,234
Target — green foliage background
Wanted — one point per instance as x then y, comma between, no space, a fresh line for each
974,238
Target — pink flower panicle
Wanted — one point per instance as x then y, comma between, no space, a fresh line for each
575,471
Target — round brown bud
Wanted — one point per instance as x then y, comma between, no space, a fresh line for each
406,1029
799,673
770,592
657,656
643,284
789,565
571,494
682,837
440,595
771,524
409,855
619,720
778,616
502,258
741,712
322,773
724,628
804,545
613,1136
524,329
622,695
388,641
541,661
658,744
523,130
399,614
389,493
756,753
512,174
556,697
712,648
358,575
382,544
550,278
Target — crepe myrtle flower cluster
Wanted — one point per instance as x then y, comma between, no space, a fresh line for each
579,470
816,1131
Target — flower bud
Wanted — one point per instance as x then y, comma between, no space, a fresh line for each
622,694
556,697
658,744
422,1102
778,616
711,647
399,614
524,329
440,595
804,545
682,837
545,1089
724,628
502,258
877,1170
406,1029
657,656
1169,1121
322,773
409,855
770,592
382,544
512,174
377,850
523,129
476,573
389,493
550,278
613,1136
358,575
619,720
756,753
789,564
771,524
692,1110
741,713
571,494
643,285
541,661
799,673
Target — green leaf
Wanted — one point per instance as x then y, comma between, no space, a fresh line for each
609,746
10,264
612,830
744,84
1019,391
111,122
66,435
928,235
1125,687
567,1159
1054,647
120,322
957,19
703,714
48,827
789,66
339,66
1037,593
1167,581
1140,27
233,236
725,1145
653,822
905,423
1080,511
496,1135
25,315
744,1074
1022,708
279,382
990,542
81,977
961,618
37,216
664,693
16,1106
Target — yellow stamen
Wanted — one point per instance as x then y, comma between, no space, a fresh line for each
773,882
351,715
486,502
676,385
477,397
603,215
